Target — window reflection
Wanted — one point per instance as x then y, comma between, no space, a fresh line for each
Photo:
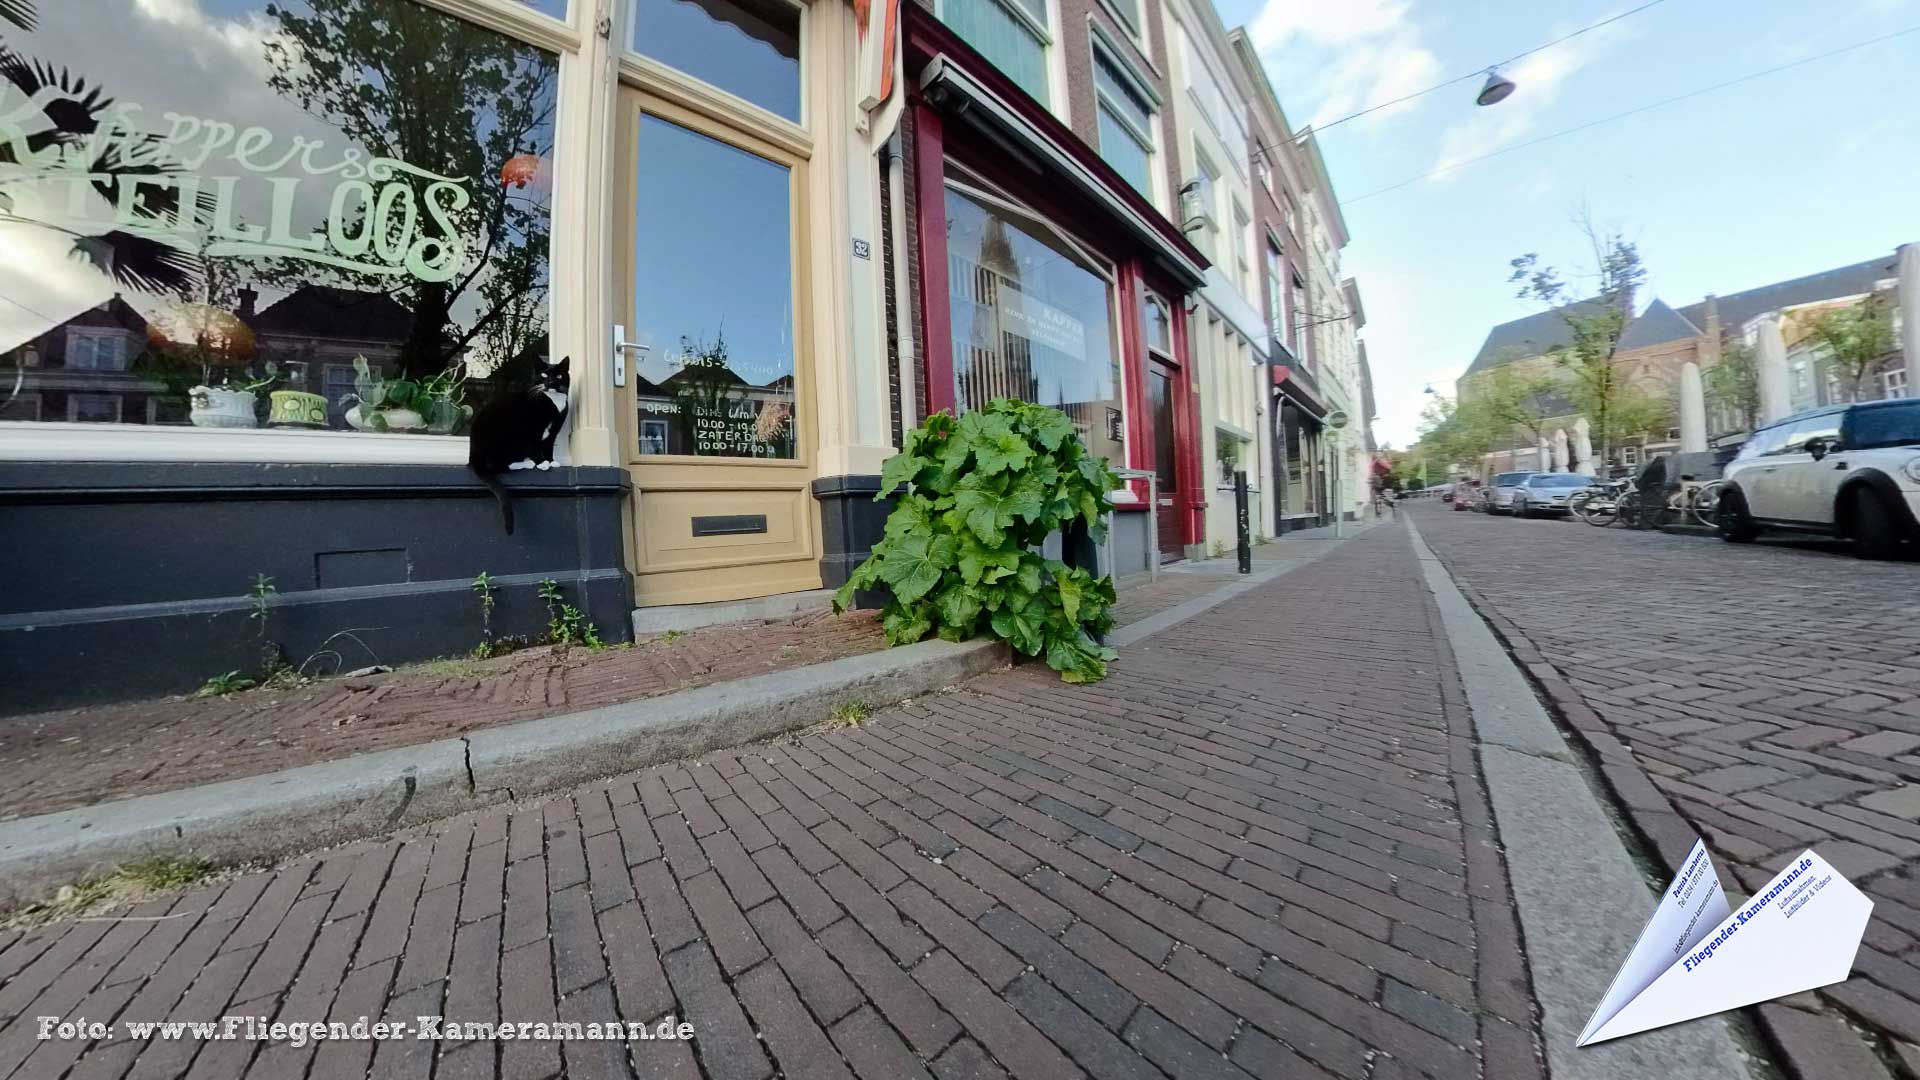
749,48
713,297
285,213
1030,322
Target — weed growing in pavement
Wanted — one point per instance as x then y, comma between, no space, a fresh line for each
566,624
221,685
126,884
671,636
274,669
849,714
485,588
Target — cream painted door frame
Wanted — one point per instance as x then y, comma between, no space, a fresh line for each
717,528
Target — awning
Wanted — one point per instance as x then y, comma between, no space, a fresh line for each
965,98
1296,386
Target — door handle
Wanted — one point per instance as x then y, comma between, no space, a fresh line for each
620,347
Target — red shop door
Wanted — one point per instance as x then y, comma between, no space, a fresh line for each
1167,473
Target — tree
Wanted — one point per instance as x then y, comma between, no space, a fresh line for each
1733,384
1503,402
1615,407
1855,337
411,83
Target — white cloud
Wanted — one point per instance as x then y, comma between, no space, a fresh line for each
1360,53
1539,79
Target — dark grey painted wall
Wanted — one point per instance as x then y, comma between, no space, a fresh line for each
124,580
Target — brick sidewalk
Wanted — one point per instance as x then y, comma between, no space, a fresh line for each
77,757
1766,697
1258,848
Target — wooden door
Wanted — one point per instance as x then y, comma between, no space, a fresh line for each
718,424
1165,467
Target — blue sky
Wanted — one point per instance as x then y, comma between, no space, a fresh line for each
1793,173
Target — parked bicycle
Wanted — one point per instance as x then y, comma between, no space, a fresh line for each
1604,504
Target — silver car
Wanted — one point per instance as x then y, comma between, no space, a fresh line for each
1502,488
1547,493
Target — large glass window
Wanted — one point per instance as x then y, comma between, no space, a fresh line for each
713,297
1126,124
208,211
1032,319
1012,34
749,48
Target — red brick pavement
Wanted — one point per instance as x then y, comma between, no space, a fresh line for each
1764,697
77,757
1259,848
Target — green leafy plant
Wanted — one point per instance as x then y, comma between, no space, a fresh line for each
273,658
978,496
566,624
221,685
485,588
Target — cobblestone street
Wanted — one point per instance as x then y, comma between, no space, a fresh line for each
1261,847
1765,696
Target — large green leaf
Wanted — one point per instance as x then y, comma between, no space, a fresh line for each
1002,452
1019,629
913,565
989,513
899,469
1051,427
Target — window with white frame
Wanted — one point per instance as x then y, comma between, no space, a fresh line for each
1012,34
1217,107
1126,120
1893,383
1128,14
749,48
1276,293
397,212
1242,230
1206,203
1302,321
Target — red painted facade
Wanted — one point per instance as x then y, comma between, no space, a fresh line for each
937,141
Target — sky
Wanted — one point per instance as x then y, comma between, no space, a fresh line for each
1788,174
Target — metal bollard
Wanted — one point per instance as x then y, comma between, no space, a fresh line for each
1242,521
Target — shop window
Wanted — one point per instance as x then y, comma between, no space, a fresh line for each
1126,122
267,184
713,297
1033,319
1012,34
749,48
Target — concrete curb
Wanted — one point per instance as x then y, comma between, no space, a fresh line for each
1581,898
261,817
1804,1042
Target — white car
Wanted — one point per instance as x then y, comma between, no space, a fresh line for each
1851,471
1546,494
1502,488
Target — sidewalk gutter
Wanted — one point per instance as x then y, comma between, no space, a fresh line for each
313,806
1582,900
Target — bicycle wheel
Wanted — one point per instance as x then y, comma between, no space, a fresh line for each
1705,504
1602,511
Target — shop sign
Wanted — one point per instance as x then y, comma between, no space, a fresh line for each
384,216
1041,322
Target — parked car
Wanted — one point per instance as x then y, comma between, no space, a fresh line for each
1502,489
1466,496
1851,471
1546,494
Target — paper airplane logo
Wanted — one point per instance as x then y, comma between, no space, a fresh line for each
1697,957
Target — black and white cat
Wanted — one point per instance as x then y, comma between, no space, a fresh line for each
517,432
